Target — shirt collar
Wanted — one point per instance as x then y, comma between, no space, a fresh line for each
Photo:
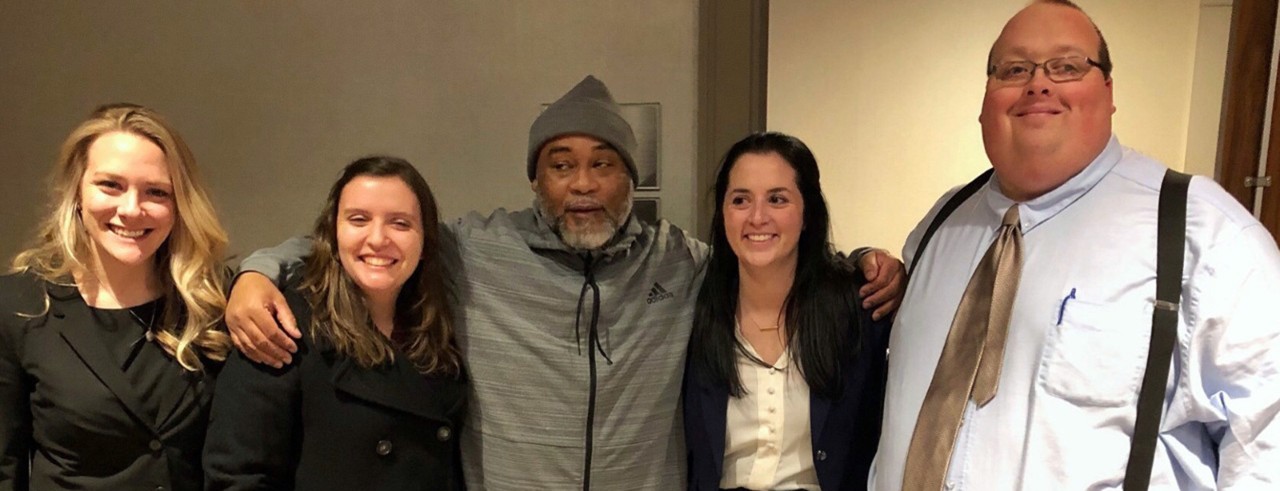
1048,205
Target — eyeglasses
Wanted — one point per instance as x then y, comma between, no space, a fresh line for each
1065,69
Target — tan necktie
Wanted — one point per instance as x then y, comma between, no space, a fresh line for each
970,362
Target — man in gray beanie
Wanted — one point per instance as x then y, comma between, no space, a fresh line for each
588,109
585,213
575,367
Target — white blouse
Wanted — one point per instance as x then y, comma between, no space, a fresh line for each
767,444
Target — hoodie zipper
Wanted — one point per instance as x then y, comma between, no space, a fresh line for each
593,339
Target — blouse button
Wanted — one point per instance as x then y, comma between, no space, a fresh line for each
443,433
383,448
772,410
771,390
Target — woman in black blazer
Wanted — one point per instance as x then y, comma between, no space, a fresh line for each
375,394
785,380
108,328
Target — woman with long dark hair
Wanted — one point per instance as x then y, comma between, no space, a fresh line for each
786,371
109,324
375,394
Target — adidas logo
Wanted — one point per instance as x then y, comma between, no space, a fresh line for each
658,294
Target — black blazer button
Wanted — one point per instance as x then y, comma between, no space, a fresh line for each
444,433
155,445
383,448
822,456
159,488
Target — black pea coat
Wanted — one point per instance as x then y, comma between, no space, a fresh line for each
323,422
70,419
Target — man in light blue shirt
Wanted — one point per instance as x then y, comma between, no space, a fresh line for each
1064,410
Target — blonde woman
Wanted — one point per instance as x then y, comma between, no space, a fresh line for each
108,323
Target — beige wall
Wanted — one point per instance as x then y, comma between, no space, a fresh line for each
887,93
275,97
1212,34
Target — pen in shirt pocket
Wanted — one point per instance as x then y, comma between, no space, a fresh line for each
1062,309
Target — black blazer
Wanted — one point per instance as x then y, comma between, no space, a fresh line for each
844,431
68,409
322,422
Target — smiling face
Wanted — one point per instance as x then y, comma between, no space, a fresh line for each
1041,133
379,234
126,199
584,190
763,211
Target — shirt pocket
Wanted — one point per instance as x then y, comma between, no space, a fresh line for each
1096,354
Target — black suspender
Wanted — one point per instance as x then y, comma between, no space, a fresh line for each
1170,242
963,194
1172,230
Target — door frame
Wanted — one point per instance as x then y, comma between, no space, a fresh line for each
1248,81
733,75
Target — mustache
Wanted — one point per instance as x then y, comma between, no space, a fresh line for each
583,203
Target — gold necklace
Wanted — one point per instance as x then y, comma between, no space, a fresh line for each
774,327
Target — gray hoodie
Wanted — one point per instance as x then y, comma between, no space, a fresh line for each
571,388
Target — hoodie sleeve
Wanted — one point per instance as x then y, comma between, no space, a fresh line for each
279,263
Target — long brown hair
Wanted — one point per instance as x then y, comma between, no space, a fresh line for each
819,307
424,313
189,261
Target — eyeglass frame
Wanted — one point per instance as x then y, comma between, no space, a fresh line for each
991,70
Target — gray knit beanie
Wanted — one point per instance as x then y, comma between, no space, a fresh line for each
586,109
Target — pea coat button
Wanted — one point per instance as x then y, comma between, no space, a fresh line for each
822,456
155,445
383,448
444,433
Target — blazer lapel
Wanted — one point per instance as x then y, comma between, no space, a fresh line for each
72,319
181,398
399,387
819,408
715,410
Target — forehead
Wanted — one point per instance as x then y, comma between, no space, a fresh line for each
1043,30
126,154
574,143
373,193
761,171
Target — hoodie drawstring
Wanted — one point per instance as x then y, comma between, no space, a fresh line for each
594,329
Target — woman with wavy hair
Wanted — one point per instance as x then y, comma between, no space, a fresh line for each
374,396
109,323
786,371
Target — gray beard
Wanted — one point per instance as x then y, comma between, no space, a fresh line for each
591,237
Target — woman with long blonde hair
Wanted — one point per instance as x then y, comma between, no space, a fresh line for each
109,321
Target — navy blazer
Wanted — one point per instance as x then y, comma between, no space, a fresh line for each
844,431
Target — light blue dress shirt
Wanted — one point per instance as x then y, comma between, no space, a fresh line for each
1078,339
